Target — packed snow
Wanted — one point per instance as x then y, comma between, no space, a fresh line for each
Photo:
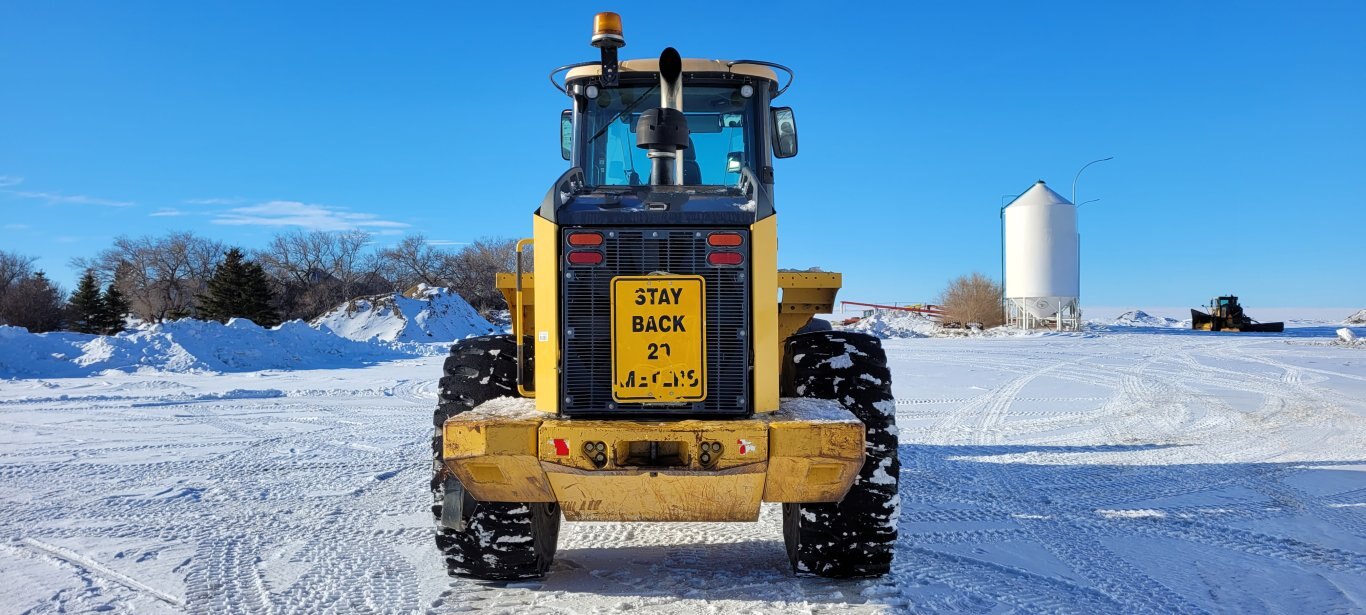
423,314
1139,318
186,346
1358,318
896,324
1126,471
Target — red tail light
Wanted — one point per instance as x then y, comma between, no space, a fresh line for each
725,258
585,239
725,240
585,257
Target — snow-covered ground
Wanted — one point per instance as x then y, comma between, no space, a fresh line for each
1134,470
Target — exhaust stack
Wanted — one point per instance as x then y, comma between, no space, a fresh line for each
664,130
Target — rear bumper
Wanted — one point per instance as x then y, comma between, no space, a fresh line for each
505,451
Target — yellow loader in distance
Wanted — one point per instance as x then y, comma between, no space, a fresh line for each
660,366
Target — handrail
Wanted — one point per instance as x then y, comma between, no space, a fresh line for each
517,332
791,76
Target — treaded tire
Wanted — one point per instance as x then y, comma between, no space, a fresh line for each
856,536
501,540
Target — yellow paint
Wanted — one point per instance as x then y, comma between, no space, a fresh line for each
486,473
664,495
507,284
804,294
505,459
812,462
614,434
546,333
763,242
659,341
518,294
495,459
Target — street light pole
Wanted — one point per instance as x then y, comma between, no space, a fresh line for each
1077,309
1078,175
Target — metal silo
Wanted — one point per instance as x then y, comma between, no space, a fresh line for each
1042,259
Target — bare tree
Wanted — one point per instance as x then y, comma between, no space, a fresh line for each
161,276
354,269
315,271
13,268
472,272
34,303
414,261
973,299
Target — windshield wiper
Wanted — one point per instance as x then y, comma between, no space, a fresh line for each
628,109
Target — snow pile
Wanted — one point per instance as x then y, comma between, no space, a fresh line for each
1346,337
185,346
889,324
423,314
1358,318
24,354
1139,318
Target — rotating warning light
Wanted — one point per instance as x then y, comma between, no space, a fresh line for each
607,30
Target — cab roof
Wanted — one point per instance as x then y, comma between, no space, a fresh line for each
690,65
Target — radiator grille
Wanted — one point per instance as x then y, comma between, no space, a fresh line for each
586,380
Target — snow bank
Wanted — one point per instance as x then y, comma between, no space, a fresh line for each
1349,338
185,346
1358,318
423,314
23,354
1139,318
889,324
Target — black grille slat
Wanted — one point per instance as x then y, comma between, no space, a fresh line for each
586,382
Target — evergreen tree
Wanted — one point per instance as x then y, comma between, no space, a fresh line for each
86,307
262,308
115,308
238,289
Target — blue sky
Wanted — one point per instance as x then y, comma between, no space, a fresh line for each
1238,134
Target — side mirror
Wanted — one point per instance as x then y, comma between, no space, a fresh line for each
566,133
735,161
784,132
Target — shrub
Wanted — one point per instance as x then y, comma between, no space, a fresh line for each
973,299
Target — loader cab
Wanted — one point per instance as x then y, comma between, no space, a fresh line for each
1225,307
670,182
733,134
725,131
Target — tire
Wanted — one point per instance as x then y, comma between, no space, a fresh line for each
856,536
500,540
816,324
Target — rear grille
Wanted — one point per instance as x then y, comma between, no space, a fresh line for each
586,380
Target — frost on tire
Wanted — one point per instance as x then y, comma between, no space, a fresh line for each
854,537
497,540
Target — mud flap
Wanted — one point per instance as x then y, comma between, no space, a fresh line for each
453,505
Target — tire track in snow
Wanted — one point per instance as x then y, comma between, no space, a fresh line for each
81,561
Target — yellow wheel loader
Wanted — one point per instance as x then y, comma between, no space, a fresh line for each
658,369
1225,314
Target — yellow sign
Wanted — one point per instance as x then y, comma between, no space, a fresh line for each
659,343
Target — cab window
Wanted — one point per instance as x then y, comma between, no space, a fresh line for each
721,122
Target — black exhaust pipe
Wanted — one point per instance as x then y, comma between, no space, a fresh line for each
664,130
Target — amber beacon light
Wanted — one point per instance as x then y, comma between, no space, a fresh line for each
607,30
